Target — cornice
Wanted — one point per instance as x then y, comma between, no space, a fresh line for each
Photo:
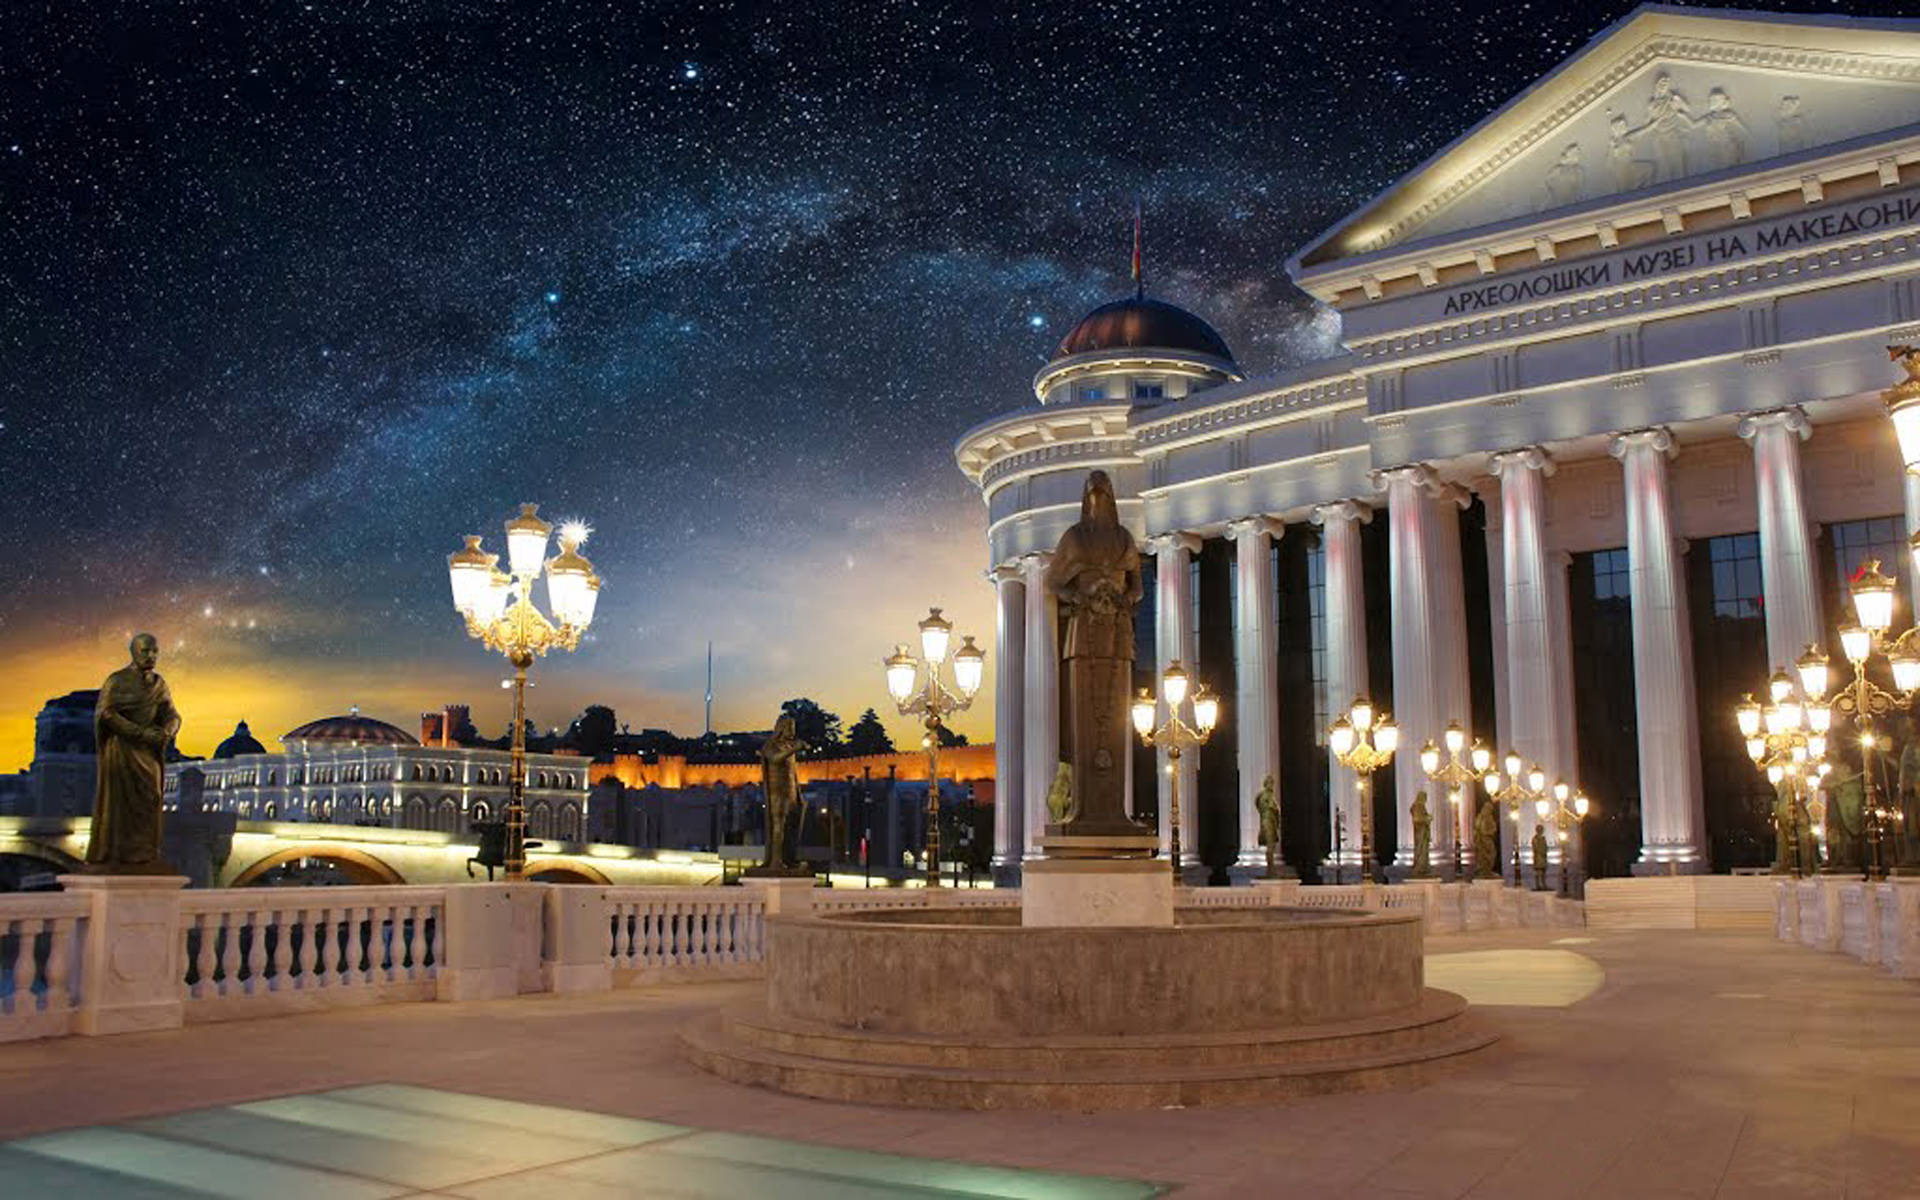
1118,449
1269,406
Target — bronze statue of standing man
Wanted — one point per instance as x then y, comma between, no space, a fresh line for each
780,780
1095,573
133,724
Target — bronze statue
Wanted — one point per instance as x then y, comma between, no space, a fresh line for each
1486,841
133,724
1060,795
780,781
1539,858
1422,837
1269,809
1095,573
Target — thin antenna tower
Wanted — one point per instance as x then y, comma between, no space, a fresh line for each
709,689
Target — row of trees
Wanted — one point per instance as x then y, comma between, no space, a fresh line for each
597,732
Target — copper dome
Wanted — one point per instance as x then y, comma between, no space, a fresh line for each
352,728
241,742
1138,323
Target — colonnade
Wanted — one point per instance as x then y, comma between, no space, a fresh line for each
1427,610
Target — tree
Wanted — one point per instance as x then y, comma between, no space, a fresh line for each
869,736
950,739
592,732
817,729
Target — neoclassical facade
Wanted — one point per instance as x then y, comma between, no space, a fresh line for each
353,769
1602,448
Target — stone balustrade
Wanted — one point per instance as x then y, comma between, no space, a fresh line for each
115,954
1877,922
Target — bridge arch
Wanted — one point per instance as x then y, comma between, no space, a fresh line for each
565,872
364,868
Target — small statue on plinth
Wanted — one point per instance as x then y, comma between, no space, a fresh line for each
1060,795
133,725
1486,841
1422,837
1095,573
1269,809
1845,822
1539,858
780,782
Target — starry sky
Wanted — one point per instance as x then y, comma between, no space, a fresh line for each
292,295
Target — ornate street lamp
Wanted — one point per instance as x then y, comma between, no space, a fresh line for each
934,701
498,609
1176,735
1863,700
1363,742
1458,773
1568,810
1787,738
1521,787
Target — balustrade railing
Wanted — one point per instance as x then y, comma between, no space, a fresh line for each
40,936
246,944
665,928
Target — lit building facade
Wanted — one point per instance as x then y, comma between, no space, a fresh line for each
353,769
1601,450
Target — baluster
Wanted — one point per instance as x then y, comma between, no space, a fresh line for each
416,942
25,928
323,948
209,926
438,912
340,939
279,929
225,935
301,920
678,927
58,999
709,932
625,917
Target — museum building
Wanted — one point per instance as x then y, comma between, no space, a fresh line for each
1602,449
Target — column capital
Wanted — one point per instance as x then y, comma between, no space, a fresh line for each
1423,477
1009,571
1254,527
1341,510
1167,543
1792,418
1528,458
1034,564
1658,439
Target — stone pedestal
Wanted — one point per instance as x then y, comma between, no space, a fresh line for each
132,975
483,959
576,940
1097,891
787,896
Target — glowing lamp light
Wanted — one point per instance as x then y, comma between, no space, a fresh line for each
468,570
1456,737
936,634
1542,808
1536,779
499,592
1905,414
900,674
969,667
1819,717
1856,642
1429,758
1817,745
1779,687
1339,738
1386,738
1775,720
1143,709
527,542
1561,790
1748,714
1581,805
1361,713
1482,758
1492,780
1173,684
1814,675
1906,670
1790,714
1206,710
1775,774
568,575
1873,598
589,601
1756,748
1513,766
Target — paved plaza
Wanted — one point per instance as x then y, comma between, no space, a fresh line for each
1632,1064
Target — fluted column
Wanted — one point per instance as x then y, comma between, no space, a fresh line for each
1791,597
1532,729
1672,823
1566,741
1042,704
1346,622
1174,638
1427,608
1009,710
1256,675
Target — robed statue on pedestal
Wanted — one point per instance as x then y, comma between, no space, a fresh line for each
134,723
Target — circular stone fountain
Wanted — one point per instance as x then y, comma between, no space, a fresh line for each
965,1008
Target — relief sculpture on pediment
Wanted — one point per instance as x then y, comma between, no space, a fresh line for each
1726,134
1790,125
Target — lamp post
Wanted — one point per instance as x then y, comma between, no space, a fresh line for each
1568,810
1520,788
1787,739
933,701
498,609
1176,735
1459,772
1863,700
1364,742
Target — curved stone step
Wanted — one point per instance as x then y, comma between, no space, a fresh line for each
1438,1019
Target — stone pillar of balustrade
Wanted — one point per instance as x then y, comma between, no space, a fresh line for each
578,955
786,897
131,957
484,940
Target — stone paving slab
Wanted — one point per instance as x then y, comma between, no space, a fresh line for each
1703,1064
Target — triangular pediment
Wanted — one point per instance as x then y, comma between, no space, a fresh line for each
1665,97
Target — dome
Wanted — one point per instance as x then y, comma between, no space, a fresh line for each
353,729
1143,324
241,742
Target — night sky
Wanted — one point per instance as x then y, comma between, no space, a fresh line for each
296,294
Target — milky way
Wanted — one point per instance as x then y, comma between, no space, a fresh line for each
295,294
